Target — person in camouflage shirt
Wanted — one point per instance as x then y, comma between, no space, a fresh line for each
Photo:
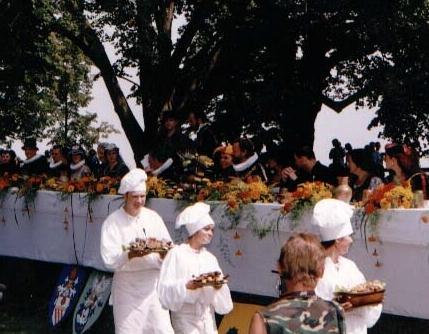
300,311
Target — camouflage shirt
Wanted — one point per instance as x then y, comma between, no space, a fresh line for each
303,313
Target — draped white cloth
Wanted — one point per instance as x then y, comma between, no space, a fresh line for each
192,311
136,307
40,234
345,274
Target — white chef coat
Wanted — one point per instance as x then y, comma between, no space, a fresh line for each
136,307
192,311
345,274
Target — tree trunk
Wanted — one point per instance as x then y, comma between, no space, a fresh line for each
298,123
88,41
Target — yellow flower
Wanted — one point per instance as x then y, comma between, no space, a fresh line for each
385,204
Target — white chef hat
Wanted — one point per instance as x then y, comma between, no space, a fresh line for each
195,217
134,180
333,216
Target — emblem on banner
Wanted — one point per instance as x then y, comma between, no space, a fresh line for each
64,297
92,301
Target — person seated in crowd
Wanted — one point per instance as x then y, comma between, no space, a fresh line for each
403,161
193,306
58,163
92,160
333,219
8,162
161,164
115,166
97,163
275,160
246,160
35,164
78,167
205,142
170,134
309,170
363,175
223,156
299,309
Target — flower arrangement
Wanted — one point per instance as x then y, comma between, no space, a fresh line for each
304,198
156,187
385,196
90,185
389,196
236,192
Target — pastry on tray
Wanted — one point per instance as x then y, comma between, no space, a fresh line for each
214,278
368,293
149,245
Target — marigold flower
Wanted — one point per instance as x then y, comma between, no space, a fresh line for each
99,187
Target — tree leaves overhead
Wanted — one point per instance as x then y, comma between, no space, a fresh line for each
261,68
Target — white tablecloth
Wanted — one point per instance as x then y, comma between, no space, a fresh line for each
39,233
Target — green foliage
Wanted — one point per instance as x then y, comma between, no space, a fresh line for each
45,80
260,68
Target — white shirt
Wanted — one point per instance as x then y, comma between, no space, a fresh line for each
192,310
345,274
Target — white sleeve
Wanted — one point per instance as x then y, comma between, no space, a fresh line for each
368,315
172,289
111,251
220,299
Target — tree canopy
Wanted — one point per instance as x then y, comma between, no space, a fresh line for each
260,68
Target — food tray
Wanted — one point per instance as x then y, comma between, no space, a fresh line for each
361,298
211,280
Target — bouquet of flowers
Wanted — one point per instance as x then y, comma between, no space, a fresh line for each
385,196
304,198
236,192
389,196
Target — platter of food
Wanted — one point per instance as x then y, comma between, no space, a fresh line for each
149,245
214,278
368,293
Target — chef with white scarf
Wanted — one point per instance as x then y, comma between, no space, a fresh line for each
192,307
136,306
332,217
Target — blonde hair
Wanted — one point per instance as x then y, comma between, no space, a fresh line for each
302,259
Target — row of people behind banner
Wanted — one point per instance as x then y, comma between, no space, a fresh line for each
72,163
278,166
176,157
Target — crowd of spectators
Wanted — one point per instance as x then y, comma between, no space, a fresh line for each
179,151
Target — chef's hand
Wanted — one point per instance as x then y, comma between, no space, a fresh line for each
192,285
347,306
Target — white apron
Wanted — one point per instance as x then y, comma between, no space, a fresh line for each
136,306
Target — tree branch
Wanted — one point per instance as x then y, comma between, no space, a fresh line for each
185,41
338,106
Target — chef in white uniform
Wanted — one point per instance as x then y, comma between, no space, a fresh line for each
136,306
332,217
192,307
